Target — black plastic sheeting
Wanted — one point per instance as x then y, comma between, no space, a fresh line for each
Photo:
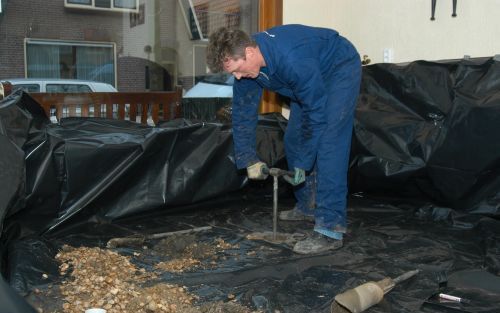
21,120
11,301
431,129
457,254
423,131
107,169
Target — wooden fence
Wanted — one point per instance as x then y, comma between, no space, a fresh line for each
142,107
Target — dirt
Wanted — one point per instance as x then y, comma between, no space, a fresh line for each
92,277
286,239
186,253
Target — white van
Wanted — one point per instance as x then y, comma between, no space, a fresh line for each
59,85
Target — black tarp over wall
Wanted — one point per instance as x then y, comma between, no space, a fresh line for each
430,129
108,168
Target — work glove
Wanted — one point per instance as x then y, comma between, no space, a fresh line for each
298,178
258,171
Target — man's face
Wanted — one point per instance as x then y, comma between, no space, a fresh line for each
247,67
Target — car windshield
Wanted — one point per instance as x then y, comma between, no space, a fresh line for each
212,86
217,79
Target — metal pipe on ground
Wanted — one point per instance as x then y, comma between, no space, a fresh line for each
358,299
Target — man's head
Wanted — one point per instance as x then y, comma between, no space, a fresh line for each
233,51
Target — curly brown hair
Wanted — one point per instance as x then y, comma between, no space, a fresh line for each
226,43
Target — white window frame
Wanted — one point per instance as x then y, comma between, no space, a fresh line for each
187,7
92,6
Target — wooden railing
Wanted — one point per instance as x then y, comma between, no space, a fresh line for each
143,107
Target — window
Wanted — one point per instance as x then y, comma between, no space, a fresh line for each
125,4
103,4
71,60
67,88
137,18
28,87
109,5
202,17
87,2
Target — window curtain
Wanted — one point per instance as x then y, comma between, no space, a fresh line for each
95,63
43,61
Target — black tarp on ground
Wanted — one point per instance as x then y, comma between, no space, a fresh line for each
457,254
412,138
431,129
11,301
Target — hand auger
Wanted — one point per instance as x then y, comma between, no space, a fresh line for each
275,173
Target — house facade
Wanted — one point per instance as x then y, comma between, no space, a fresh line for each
135,45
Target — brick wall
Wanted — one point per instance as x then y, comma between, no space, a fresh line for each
134,82
40,19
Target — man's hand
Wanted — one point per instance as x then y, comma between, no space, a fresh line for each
298,178
258,171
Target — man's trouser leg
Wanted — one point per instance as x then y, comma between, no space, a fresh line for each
304,193
333,152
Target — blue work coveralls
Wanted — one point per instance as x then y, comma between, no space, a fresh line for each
320,71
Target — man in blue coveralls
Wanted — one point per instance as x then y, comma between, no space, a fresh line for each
320,71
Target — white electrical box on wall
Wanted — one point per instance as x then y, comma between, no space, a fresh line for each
388,56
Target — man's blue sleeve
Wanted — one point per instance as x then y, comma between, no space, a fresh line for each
246,98
308,87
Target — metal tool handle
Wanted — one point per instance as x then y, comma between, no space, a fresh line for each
275,206
405,276
274,171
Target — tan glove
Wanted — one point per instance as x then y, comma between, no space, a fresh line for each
258,171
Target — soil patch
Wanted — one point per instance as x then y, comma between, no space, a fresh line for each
186,253
102,278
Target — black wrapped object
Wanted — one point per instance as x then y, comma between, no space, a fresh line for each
430,129
84,168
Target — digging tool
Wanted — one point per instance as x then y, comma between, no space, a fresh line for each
275,173
358,299
287,239
138,240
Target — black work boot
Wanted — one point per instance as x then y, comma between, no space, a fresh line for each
295,215
317,243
